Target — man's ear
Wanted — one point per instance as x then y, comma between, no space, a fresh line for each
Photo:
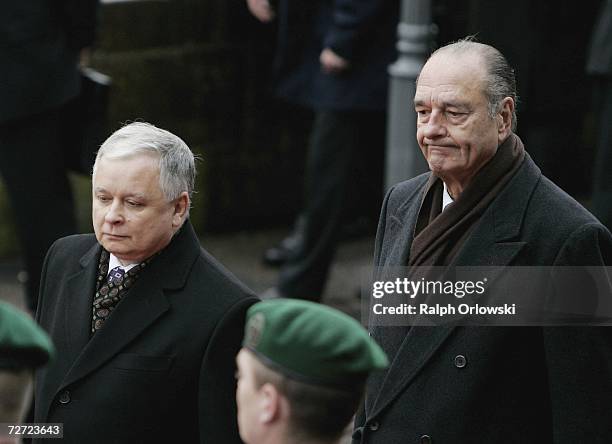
270,404
506,111
181,207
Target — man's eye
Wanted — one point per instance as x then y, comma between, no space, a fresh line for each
454,113
133,203
422,112
103,198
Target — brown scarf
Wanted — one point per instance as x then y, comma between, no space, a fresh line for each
439,235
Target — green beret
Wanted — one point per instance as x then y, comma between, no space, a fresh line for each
23,344
311,342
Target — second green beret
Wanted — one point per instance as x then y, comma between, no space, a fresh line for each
311,342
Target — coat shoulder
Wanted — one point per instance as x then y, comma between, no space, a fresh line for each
564,231
70,249
76,241
555,208
217,284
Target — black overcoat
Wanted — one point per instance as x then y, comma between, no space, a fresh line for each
496,384
162,367
362,31
40,42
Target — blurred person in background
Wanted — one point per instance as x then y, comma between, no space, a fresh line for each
331,57
41,42
599,65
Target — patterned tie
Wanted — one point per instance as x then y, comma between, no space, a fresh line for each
115,276
109,295
107,298
111,288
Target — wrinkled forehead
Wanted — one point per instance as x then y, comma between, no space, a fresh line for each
451,77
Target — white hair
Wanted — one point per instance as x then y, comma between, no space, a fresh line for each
176,161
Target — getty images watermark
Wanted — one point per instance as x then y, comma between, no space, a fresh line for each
407,296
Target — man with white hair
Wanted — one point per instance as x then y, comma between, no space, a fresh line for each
146,323
485,203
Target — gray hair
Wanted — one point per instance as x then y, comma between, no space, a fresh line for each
176,161
500,79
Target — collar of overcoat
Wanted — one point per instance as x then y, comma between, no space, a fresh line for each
493,243
138,310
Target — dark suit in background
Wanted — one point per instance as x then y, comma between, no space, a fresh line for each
599,65
40,42
349,124
162,367
495,384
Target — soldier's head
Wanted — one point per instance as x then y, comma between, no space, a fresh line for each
23,347
301,372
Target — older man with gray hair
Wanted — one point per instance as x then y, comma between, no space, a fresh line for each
485,203
146,322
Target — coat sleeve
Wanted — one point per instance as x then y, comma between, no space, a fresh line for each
217,384
579,359
351,21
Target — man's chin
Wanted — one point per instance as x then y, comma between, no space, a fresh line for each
438,166
116,247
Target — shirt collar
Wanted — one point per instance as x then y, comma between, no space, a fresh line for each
114,262
446,197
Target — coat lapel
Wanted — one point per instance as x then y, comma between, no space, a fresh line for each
399,230
140,308
493,243
79,294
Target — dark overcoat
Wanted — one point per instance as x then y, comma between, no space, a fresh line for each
361,31
496,384
162,367
39,48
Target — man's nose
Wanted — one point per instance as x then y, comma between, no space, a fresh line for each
115,213
434,128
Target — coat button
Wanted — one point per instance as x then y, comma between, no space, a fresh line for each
374,426
426,439
460,361
64,397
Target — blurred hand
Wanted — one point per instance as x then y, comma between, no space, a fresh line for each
332,63
261,9
85,57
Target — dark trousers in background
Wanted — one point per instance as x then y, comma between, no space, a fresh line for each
602,175
345,157
34,172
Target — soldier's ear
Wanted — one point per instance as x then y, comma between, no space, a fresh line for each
270,403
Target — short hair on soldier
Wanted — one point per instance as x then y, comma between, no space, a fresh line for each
177,170
310,404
